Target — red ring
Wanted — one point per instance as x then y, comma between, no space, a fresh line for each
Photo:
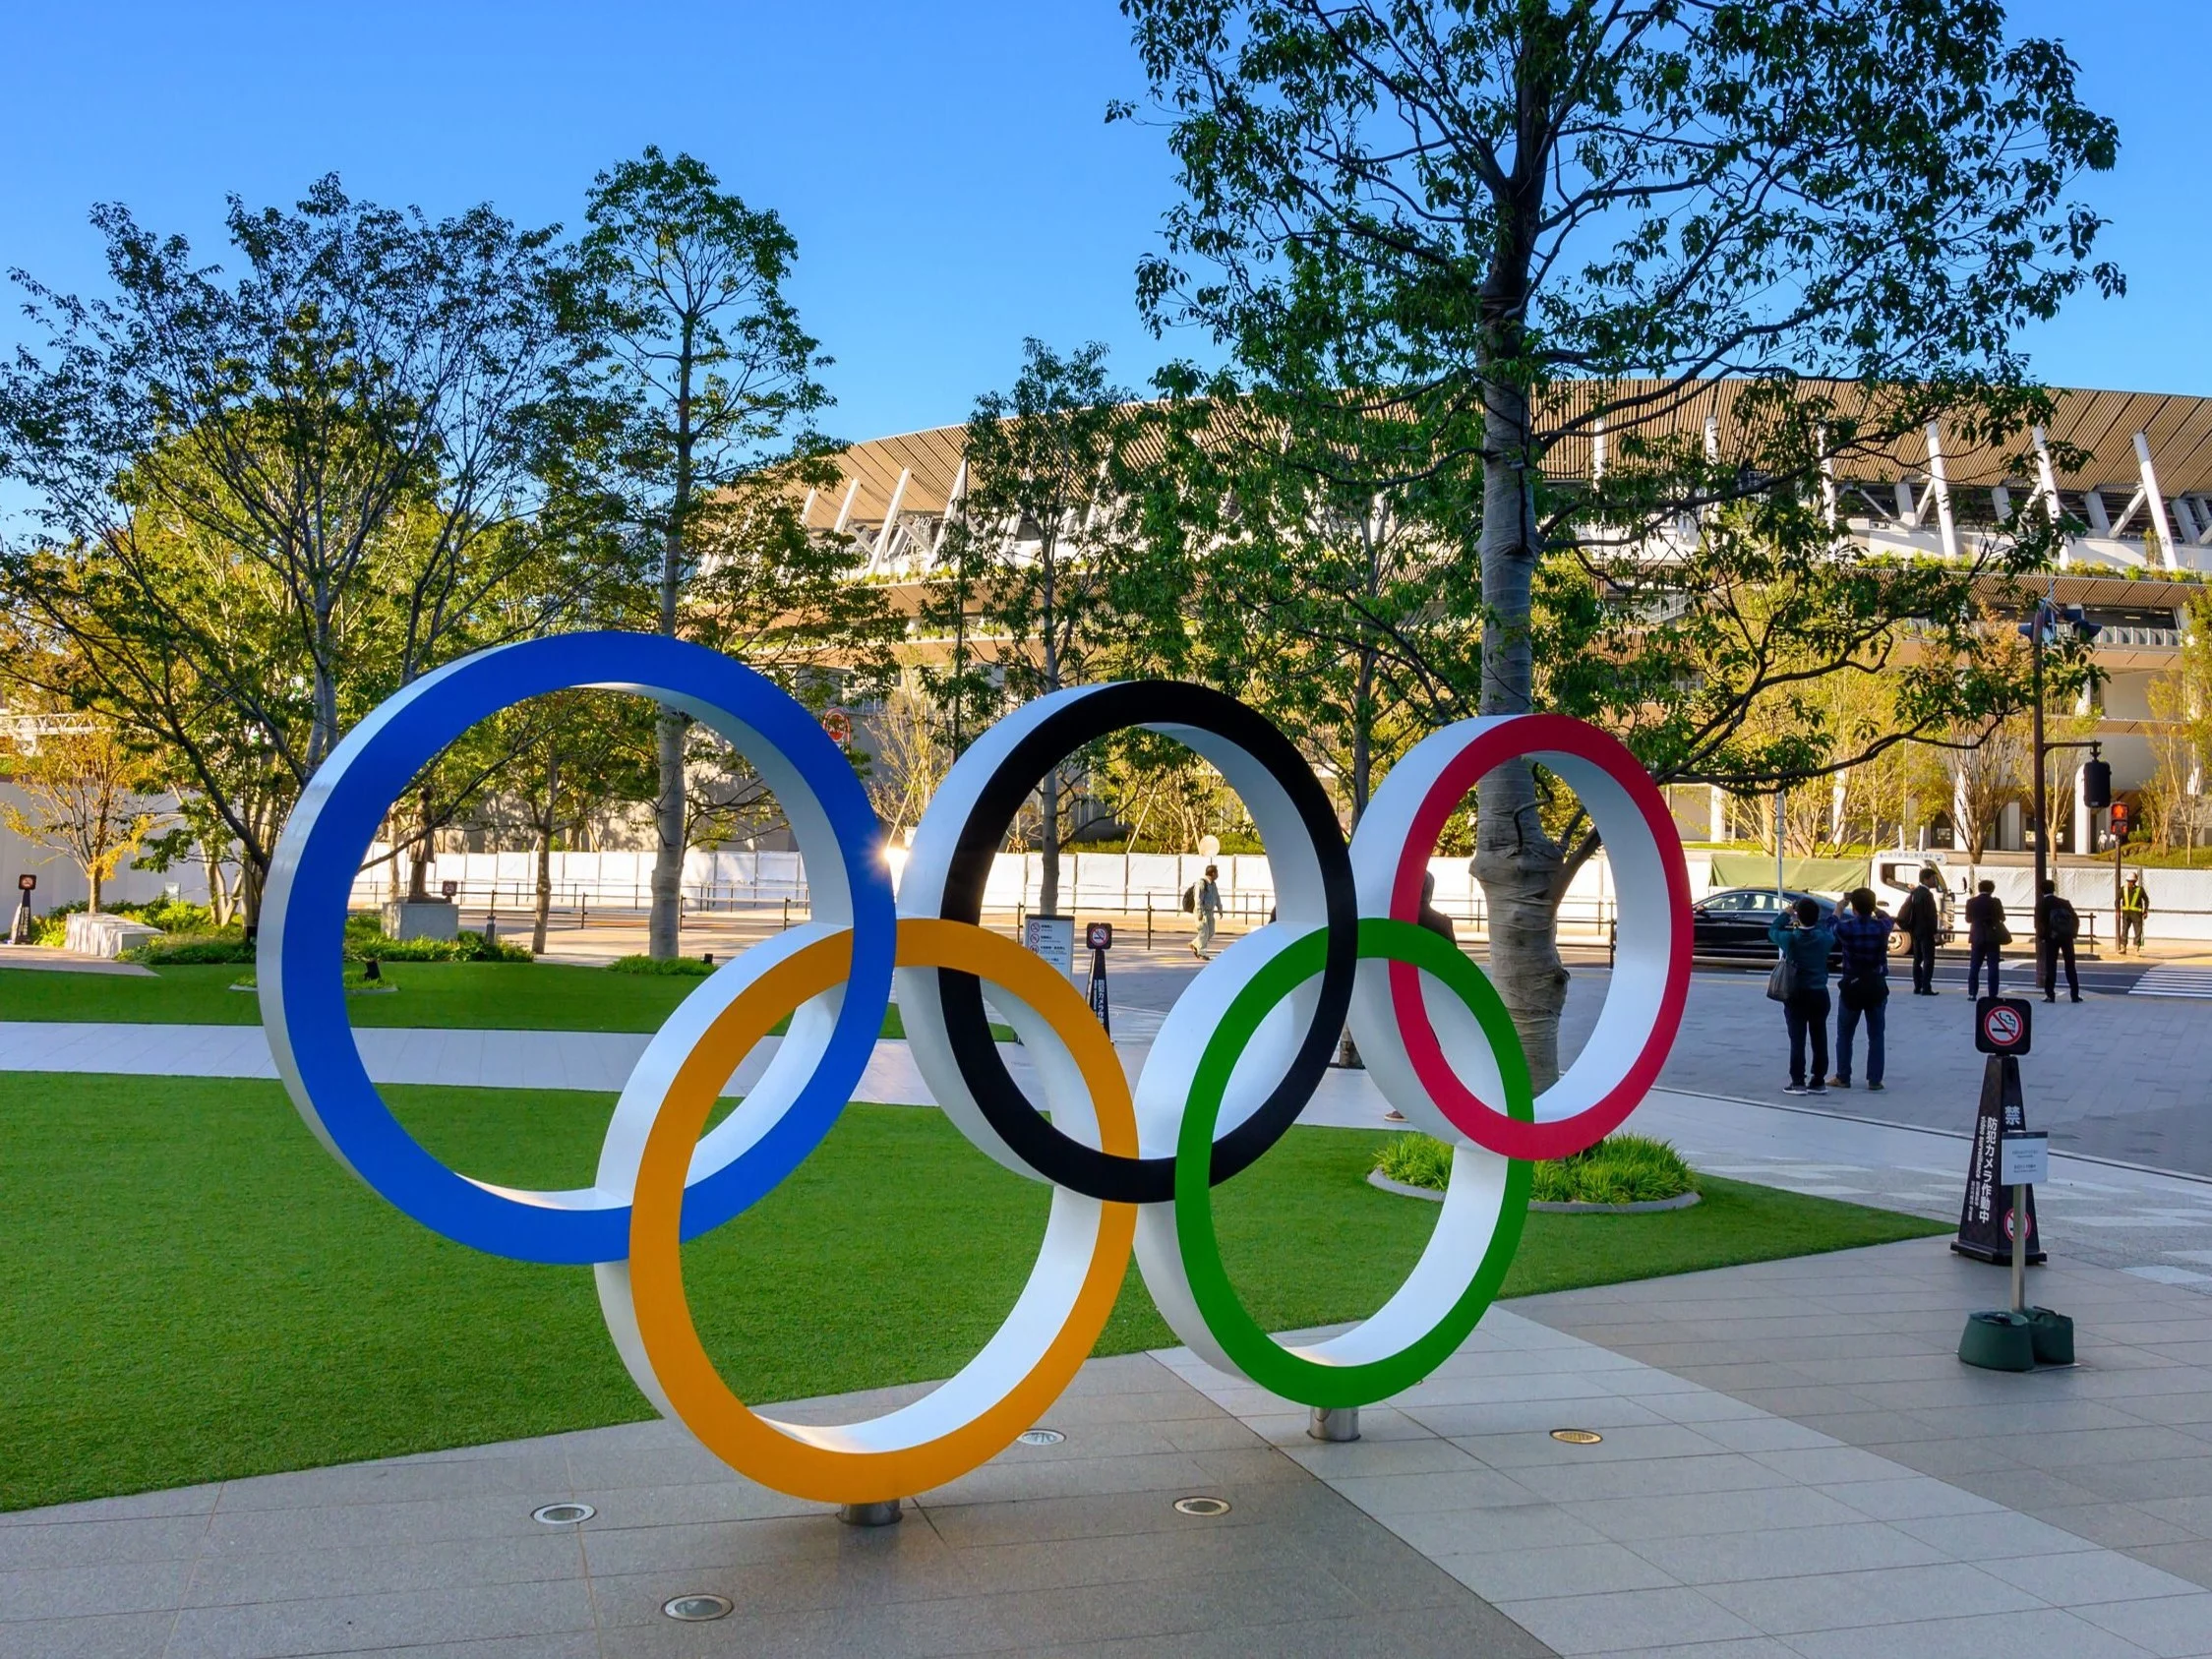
1526,735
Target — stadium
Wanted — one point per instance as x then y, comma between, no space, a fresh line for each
2133,470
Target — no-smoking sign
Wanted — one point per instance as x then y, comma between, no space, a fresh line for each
2000,1025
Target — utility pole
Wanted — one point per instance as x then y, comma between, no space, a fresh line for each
2096,776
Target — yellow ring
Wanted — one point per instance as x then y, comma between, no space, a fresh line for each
825,1464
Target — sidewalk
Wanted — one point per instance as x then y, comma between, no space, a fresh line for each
1791,1463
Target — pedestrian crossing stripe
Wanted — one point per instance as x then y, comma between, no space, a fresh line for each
2175,982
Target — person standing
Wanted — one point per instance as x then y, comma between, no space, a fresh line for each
2134,905
1863,993
2056,929
1986,934
1804,936
1208,913
1921,916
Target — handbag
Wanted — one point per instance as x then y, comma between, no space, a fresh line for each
1781,983
2003,935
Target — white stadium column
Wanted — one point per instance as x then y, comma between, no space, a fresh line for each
2047,480
1938,481
2156,502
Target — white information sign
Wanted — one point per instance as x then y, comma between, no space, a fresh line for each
2024,1160
1051,937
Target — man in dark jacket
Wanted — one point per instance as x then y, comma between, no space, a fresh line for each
1985,937
1864,993
2056,928
1802,934
1921,916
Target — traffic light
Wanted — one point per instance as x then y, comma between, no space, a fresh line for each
2096,784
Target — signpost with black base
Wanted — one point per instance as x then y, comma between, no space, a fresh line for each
26,884
1998,1220
1099,937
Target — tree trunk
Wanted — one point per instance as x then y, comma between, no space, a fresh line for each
545,889
1048,844
665,926
418,868
664,939
93,878
1519,865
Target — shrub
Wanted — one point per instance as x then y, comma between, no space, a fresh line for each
180,950
1416,1160
676,966
471,946
1619,1170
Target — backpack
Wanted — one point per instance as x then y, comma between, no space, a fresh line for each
2064,924
1190,897
1914,909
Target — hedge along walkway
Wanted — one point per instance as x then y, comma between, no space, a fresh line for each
197,1291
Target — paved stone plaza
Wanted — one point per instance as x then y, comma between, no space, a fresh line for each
1792,1462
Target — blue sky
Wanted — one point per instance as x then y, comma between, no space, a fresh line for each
945,168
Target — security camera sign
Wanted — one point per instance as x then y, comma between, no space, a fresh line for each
2000,1025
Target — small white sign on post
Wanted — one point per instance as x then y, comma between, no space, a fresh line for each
1051,937
2024,1160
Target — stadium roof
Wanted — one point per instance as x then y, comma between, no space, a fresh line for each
918,469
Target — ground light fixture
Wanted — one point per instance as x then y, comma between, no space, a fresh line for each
1041,1437
562,1514
1204,1507
699,1609
1577,1436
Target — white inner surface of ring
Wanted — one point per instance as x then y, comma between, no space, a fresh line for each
1301,907
1040,1313
1632,999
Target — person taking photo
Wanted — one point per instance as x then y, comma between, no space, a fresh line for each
1804,937
1863,993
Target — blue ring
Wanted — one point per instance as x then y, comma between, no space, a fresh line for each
303,922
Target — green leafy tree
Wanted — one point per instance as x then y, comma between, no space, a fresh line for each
707,384
265,500
1039,574
1513,228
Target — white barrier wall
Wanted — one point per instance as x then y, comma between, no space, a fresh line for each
61,882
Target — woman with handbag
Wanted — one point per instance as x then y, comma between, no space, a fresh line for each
1986,936
1800,983
1864,991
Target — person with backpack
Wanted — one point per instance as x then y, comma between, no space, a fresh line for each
1921,916
2134,905
1863,993
1986,936
1800,985
1206,899
2056,926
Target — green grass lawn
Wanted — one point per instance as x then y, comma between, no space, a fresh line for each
195,1290
476,995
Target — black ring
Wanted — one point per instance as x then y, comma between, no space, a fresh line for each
1048,1151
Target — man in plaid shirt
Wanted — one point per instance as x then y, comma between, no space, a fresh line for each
1862,933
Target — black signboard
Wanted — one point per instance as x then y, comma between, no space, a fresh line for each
27,882
1100,935
2002,1025
1985,1220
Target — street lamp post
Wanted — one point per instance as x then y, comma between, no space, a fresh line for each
2041,625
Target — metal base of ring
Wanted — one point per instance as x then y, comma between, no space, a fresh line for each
886,1512
1334,1423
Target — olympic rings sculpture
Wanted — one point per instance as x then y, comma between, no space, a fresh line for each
1236,1061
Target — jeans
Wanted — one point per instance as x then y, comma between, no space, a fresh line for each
1924,961
1846,1023
2052,950
1807,1013
1978,955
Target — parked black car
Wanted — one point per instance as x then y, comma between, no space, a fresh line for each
1733,922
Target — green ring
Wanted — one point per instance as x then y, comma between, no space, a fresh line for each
1257,1354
